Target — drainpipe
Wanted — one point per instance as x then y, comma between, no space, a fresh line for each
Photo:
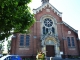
63,41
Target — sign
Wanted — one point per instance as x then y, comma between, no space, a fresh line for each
61,52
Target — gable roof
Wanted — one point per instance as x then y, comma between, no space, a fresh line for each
35,11
76,31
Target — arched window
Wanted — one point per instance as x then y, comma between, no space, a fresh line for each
46,30
43,30
48,26
48,22
53,30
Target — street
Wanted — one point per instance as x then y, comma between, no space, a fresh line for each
60,59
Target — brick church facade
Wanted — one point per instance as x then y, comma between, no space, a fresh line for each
49,34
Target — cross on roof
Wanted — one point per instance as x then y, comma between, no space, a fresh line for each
44,1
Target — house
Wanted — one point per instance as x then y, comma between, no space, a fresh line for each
49,34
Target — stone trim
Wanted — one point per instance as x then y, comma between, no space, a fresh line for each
76,31
35,11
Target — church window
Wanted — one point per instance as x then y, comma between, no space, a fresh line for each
48,22
48,26
27,40
21,40
53,30
46,30
43,30
72,40
69,43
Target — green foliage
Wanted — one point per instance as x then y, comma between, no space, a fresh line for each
9,45
14,15
40,56
0,46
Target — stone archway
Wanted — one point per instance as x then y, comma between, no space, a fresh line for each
50,47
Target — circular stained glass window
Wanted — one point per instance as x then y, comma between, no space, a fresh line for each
48,22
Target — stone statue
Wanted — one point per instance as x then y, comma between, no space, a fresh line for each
50,32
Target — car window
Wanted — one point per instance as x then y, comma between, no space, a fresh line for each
8,58
4,59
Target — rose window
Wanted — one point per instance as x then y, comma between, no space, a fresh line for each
48,22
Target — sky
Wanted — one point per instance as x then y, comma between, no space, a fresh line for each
70,11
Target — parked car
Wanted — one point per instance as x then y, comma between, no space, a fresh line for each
11,57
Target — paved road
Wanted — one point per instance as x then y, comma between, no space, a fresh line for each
61,59
66,59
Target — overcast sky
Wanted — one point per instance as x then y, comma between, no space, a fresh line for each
70,11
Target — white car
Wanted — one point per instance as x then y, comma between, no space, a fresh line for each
11,57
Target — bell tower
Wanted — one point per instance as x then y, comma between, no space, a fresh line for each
44,1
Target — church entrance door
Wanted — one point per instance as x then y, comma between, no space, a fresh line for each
50,51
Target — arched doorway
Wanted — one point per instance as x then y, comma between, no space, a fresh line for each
50,47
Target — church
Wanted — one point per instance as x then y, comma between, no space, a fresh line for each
49,34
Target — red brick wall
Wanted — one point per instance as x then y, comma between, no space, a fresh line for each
70,51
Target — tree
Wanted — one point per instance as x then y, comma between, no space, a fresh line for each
9,46
1,46
14,16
